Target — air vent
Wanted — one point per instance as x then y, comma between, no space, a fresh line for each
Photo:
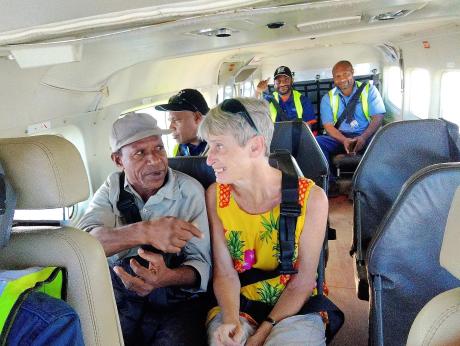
328,24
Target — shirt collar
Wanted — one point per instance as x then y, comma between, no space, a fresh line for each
338,91
170,190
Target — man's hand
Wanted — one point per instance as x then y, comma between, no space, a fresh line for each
262,86
169,234
360,143
349,145
229,334
146,279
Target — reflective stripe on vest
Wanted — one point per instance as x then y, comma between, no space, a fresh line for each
176,150
15,286
298,105
334,101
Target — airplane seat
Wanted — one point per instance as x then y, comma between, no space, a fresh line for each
195,166
297,138
437,324
397,151
47,172
346,164
403,257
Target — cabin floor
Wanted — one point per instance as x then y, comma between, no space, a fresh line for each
340,276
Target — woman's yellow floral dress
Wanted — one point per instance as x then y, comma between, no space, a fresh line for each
252,241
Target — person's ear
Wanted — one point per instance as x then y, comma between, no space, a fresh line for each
198,117
116,158
257,146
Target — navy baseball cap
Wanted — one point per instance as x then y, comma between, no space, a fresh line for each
186,100
282,71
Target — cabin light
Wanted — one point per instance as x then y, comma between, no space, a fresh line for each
223,32
35,56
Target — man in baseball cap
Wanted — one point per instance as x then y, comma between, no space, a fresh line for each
186,110
158,290
286,103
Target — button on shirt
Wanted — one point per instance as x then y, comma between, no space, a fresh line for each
289,108
181,196
376,107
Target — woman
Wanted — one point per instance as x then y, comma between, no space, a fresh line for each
243,210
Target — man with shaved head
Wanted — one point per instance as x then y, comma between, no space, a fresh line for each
351,113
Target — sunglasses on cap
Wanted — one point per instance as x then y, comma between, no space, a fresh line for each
178,100
236,107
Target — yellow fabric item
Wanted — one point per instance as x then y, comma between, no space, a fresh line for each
176,150
334,101
297,103
252,241
48,280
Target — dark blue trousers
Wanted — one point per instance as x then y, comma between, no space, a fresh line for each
144,322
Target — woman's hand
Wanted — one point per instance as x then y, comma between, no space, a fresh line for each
229,334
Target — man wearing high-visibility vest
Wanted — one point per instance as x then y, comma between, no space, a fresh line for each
286,103
186,110
349,129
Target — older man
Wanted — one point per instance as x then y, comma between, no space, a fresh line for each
157,286
186,111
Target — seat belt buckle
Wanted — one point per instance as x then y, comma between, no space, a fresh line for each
290,209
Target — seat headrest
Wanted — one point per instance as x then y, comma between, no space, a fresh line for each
450,255
7,205
45,171
195,166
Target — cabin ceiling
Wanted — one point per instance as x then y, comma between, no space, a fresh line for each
110,40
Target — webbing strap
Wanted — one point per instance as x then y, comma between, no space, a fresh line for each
289,211
349,111
126,204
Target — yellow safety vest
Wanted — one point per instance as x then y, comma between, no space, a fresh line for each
334,101
16,285
176,150
297,104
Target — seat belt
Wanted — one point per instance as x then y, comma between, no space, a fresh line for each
280,113
126,204
349,111
289,211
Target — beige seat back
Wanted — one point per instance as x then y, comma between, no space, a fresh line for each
48,172
438,323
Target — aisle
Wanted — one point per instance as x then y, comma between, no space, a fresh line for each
340,277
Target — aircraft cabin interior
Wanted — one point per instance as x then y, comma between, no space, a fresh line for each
69,70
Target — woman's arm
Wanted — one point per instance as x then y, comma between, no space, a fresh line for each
225,278
301,285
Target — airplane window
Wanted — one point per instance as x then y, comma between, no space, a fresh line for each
228,92
419,89
393,85
58,214
162,121
220,95
449,107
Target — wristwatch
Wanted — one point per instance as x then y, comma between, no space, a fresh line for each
271,321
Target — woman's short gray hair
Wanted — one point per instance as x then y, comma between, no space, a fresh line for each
217,122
